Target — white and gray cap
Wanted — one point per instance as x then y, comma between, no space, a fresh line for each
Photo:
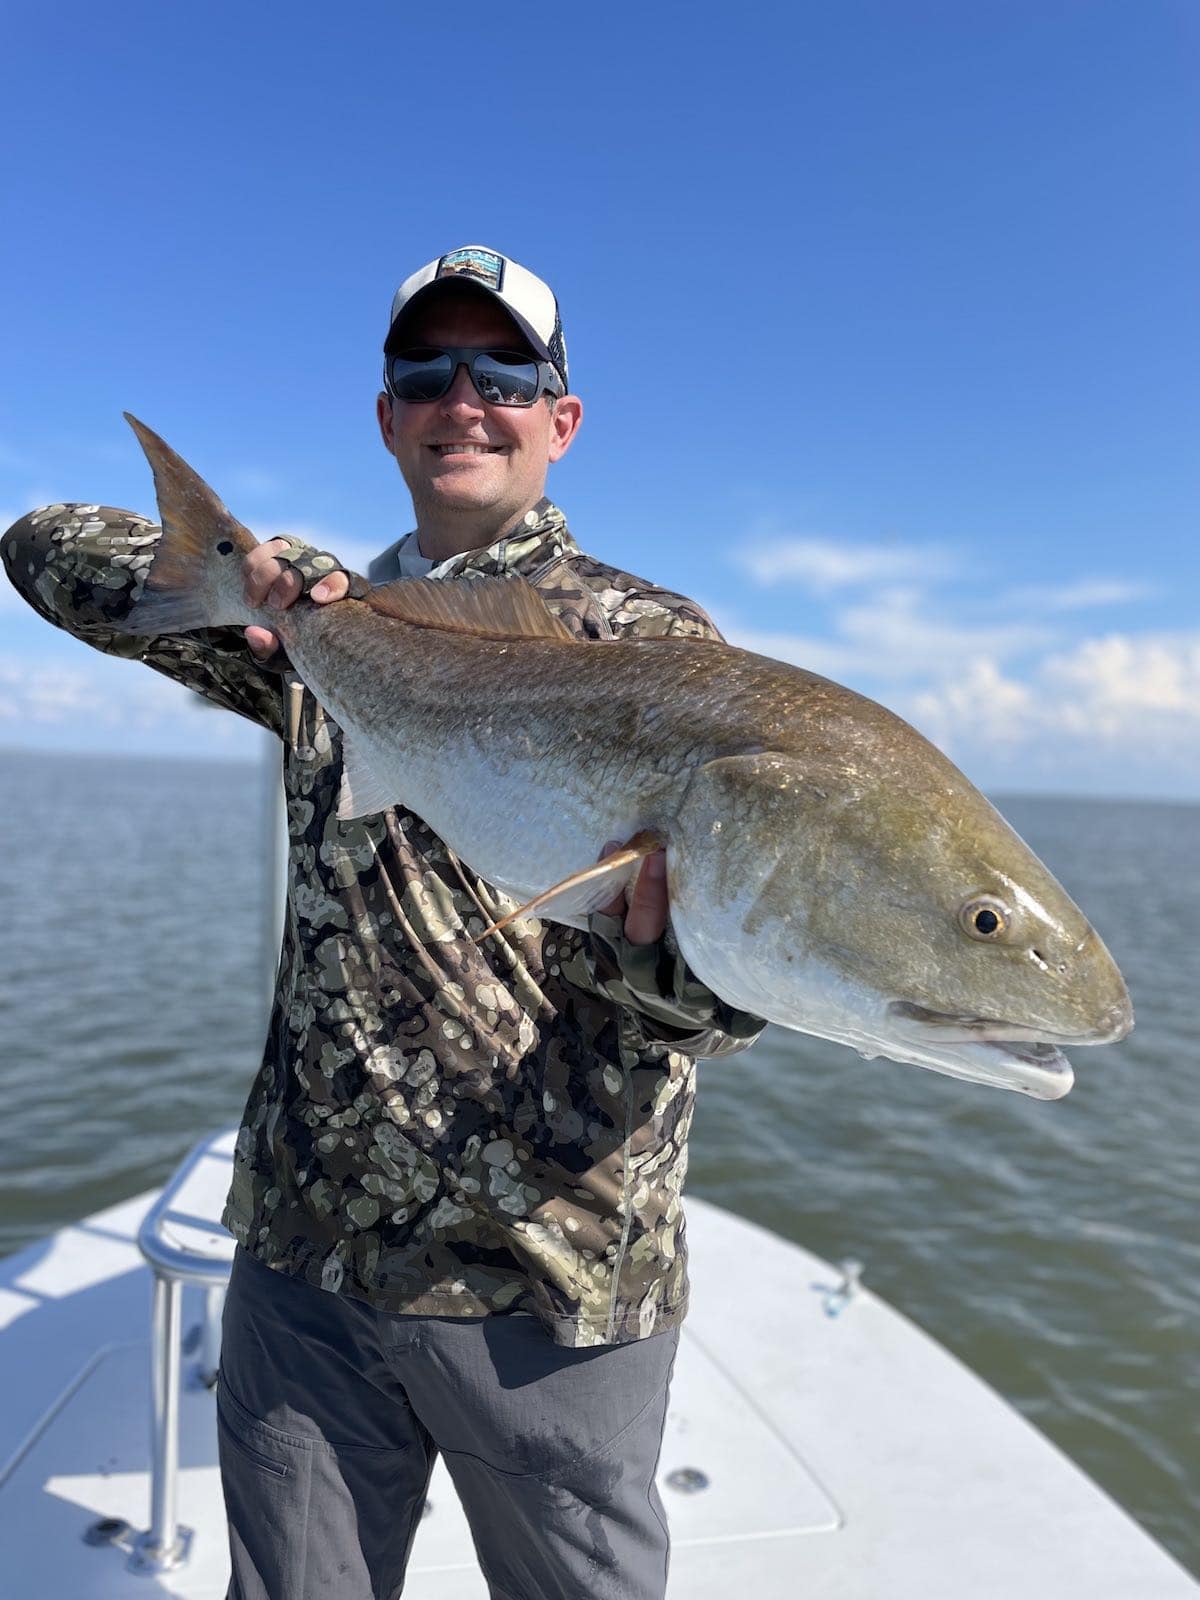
528,301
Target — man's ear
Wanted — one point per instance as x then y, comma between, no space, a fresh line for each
564,424
383,413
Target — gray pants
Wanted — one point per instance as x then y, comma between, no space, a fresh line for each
331,1416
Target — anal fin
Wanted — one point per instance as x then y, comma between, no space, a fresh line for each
589,889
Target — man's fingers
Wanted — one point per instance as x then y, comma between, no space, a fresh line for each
286,589
266,581
269,582
258,580
262,642
644,903
260,570
647,917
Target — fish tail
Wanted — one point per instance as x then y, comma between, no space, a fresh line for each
195,578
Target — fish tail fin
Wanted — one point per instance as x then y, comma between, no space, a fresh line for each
195,578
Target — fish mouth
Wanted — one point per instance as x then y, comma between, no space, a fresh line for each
1114,1025
1006,1055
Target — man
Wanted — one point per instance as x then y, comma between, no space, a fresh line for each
476,1149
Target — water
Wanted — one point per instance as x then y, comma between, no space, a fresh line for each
1053,1247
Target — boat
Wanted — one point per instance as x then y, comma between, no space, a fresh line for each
817,1441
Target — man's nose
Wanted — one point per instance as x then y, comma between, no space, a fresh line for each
462,393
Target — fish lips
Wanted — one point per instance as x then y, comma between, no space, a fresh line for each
1006,1055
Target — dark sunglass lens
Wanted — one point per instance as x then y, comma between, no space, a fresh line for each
505,378
420,374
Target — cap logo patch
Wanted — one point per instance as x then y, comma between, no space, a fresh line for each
485,266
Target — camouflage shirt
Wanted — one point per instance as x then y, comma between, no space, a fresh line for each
438,1127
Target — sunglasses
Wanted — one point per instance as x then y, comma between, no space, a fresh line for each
501,377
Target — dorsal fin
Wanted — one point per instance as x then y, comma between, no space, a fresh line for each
490,608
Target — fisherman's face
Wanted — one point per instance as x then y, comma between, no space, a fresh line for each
504,480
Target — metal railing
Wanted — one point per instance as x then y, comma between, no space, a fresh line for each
165,1545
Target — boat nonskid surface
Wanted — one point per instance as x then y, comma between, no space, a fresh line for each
812,1444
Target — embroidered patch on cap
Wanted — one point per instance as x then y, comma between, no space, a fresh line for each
485,266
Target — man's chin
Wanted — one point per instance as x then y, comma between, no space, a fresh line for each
453,495
464,497
465,471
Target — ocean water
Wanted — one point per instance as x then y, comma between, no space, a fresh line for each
1053,1247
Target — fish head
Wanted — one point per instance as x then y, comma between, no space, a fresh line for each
889,905
978,962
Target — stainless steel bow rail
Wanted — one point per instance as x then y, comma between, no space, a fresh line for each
182,1246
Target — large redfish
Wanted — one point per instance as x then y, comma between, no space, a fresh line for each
828,868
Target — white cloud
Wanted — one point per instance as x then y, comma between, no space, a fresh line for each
1081,595
1121,682
106,690
897,635
998,676
824,565
907,634
45,692
982,702
1008,692
104,695
1120,712
824,656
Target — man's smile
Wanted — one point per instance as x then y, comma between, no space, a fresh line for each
467,449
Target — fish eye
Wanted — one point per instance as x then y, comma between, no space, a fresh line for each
985,918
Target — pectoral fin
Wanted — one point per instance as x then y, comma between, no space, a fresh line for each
586,891
363,792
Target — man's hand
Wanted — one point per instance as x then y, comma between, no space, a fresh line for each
266,581
644,902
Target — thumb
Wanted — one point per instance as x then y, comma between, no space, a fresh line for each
335,587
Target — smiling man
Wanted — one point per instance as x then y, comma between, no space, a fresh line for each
457,1182
473,468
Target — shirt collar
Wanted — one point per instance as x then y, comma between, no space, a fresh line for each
541,535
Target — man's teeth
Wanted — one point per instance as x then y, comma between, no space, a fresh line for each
465,449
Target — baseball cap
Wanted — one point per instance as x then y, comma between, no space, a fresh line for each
528,301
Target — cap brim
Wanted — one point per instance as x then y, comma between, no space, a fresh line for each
532,339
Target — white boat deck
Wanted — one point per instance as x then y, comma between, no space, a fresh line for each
848,1456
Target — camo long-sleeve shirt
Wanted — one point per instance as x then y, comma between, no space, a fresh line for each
438,1127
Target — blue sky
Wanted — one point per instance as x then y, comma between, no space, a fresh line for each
883,314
